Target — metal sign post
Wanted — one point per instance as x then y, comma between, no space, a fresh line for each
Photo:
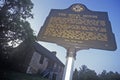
68,71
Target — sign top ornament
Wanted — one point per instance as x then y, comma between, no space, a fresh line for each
77,8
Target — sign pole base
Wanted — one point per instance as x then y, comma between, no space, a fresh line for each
68,71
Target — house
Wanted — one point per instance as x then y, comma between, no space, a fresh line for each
36,60
46,63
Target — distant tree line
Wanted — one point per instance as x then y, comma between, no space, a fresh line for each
85,73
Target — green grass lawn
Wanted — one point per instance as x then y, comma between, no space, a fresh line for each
20,76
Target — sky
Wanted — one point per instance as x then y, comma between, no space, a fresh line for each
94,59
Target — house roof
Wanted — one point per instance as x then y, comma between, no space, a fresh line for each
42,50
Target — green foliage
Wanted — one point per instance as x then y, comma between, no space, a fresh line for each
14,27
86,74
75,75
109,76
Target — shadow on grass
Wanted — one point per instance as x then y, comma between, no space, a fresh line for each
10,75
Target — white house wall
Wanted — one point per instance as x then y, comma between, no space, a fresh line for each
35,66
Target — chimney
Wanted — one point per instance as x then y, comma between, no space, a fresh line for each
54,53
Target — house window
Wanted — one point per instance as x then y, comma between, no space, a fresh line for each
41,60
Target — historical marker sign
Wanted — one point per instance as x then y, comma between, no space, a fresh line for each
79,27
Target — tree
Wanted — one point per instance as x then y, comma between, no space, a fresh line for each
87,74
75,75
109,76
103,76
14,27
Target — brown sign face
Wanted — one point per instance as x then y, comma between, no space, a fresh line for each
79,27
